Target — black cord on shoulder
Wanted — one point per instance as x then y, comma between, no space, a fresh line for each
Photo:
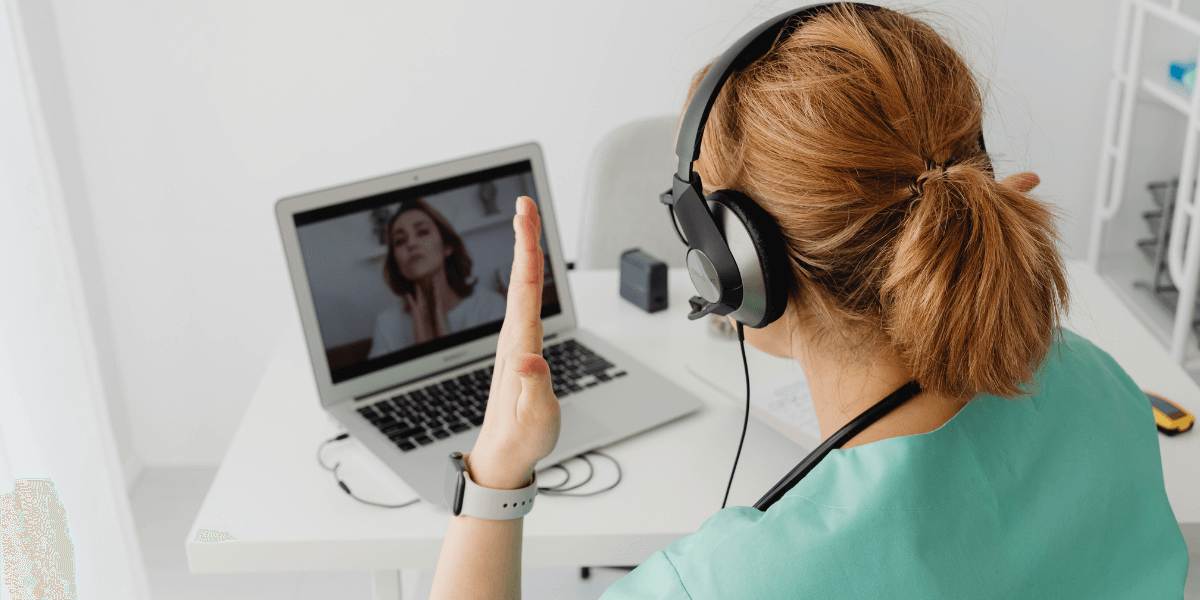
746,420
342,484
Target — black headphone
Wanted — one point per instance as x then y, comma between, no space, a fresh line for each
740,266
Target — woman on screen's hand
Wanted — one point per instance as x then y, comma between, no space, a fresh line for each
425,313
481,558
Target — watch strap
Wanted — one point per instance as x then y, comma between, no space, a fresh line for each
496,505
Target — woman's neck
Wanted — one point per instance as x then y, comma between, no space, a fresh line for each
841,391
438,290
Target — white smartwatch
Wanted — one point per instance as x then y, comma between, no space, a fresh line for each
465,497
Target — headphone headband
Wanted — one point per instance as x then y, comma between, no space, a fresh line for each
727,282
719,275
749,48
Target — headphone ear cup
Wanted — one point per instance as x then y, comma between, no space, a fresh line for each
758,248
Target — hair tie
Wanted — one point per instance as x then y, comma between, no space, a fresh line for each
918,185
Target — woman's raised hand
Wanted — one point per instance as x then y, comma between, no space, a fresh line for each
522,420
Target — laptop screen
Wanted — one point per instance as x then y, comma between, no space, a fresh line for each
406,273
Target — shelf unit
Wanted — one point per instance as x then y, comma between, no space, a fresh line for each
1126,89
1174,98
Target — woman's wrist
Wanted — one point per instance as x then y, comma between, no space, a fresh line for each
496,474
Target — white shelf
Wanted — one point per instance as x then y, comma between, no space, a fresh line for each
1172,97
484,223
1170,14
1123,272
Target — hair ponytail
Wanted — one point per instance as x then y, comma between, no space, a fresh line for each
976,284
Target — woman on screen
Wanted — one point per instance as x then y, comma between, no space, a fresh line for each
428,269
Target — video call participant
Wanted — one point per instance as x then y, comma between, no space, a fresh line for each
429,271
1027,467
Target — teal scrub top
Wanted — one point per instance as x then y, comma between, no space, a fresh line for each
1057,495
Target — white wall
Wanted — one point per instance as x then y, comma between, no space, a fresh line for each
53,423
44,51
193,118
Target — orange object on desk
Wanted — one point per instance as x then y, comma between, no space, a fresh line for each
1170,417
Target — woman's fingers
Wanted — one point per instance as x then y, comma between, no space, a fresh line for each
522,420
1022,182
522,330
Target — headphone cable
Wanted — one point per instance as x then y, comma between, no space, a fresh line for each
342,484
558,490
562,486
746,419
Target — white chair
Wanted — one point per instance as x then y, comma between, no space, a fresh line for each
628,170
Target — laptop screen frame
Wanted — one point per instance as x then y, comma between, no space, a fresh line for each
331,393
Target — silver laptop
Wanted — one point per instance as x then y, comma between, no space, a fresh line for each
401,283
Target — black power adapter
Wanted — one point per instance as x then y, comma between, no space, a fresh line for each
643,280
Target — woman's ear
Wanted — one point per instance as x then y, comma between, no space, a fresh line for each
774,339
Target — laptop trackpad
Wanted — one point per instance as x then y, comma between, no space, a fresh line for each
580,431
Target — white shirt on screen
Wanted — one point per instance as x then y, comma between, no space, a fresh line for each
394,327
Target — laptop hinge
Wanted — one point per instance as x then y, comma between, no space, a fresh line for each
425,376
436,373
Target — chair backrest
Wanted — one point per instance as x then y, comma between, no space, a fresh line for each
628,170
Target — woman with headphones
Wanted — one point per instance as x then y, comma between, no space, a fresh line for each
1008,458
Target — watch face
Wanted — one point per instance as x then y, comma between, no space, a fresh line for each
453,485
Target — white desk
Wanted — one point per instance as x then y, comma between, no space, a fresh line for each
284,513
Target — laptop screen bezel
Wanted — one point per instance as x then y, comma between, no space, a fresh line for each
332,393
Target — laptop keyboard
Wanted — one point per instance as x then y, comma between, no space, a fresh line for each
454,405
574,367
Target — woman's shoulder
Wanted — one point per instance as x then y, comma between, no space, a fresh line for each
933,510
392,315
740,552
726,558
393,330
1077,372
483,306
1078,353
484,300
